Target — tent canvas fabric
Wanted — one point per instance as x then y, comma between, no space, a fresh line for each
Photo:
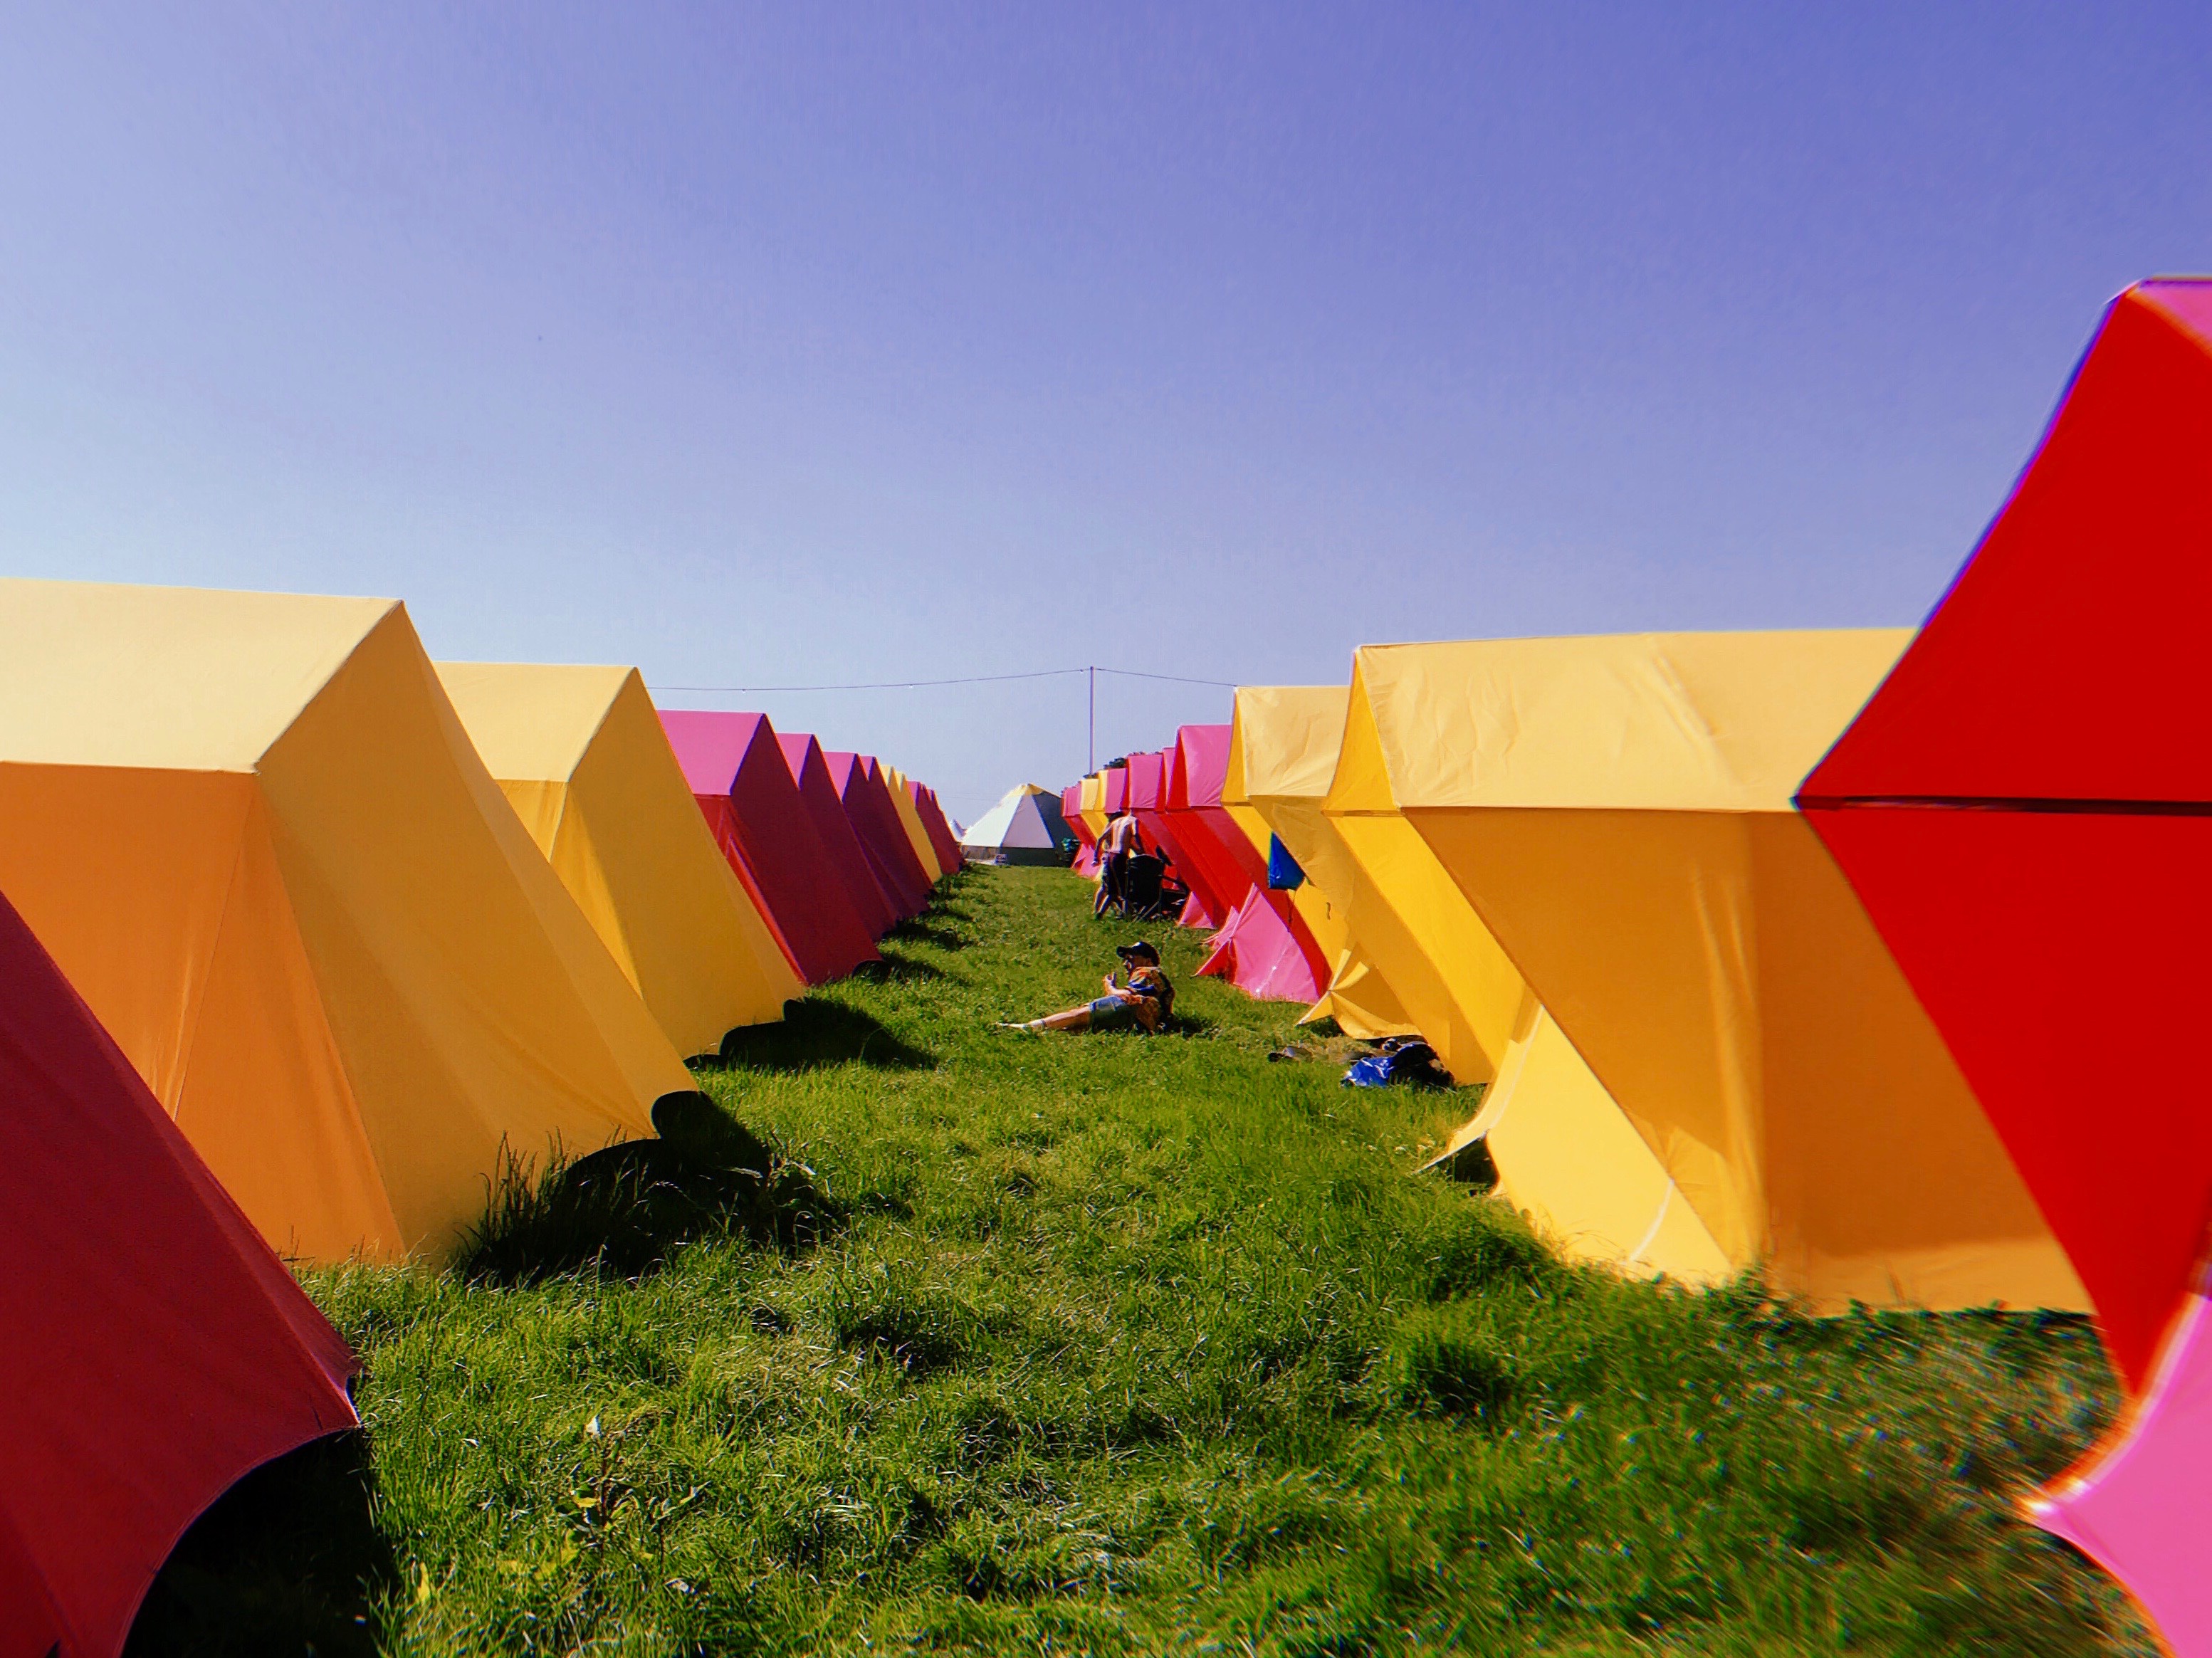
1071,812
1617,811
2140,1503
253,832
810,772
917,837
157,1351
2032,841
1150,775
1259,951
582,756
736,769
1092,805
868,811
1287,737
909,844
884,833
1317,925
1222,866
1566,1157
942,840
1025,827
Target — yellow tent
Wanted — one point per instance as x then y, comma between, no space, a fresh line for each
1618,810
1282,753
253,832
583,760
1563,1152
909,817
1093,811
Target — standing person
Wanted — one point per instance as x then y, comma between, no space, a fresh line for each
1116,847
1146,1002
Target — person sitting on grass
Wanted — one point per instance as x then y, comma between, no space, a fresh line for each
1145,1002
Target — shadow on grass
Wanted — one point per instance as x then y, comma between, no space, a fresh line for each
920,932
815,1032
620,1212
287,1560
891,968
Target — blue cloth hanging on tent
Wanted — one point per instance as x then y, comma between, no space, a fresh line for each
1284,874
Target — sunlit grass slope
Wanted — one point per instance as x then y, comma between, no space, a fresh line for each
1114,1343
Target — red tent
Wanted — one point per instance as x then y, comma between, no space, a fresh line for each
883,838
2025,808
738,772
942,840
156,1350
1149,776
898,847
810,774
1220,864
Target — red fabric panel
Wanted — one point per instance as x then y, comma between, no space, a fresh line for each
721,814
842,769
2067,660
942,841
156,1350
1149,776
788,870
897,846
2062,956
810,774
2020,807
869,809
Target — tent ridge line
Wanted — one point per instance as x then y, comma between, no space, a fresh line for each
2007,803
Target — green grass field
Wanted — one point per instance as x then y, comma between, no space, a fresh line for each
1119,1343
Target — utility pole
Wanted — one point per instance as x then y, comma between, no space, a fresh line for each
1094,719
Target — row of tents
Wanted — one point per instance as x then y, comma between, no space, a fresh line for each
303,936
1872,957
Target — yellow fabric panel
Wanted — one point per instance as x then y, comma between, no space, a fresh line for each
1652,721
1725,985
310,919
1093,811
1360,1000
470,997
1283,748
1284,739
148,651
1570,1160
1455,984
158,894
910,821
306,1173
627,840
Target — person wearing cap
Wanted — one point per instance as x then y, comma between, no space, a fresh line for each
1145,1002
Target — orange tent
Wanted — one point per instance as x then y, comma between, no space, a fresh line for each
252,830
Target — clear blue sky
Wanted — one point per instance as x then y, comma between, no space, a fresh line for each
793,343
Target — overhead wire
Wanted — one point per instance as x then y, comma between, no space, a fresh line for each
964,679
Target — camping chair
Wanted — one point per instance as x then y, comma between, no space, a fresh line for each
1141,885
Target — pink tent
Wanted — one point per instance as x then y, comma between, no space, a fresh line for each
1149,776
2140,1504
874,820
1259,951
743,784
811,773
